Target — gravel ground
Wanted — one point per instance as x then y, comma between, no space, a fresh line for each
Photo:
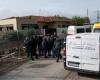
42,69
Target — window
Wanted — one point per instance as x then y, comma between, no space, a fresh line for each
30,26
0,28
59,26
88,29
80,30
96,30
64,26
45,27
35,26
6,27
10,28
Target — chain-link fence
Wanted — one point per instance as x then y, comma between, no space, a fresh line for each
12,52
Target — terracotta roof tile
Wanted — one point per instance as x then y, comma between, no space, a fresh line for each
44,18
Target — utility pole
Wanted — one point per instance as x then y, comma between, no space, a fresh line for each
87,13
98,13
39,12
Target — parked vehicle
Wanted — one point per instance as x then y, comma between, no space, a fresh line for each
63,53
96,27
74,30
83,52
79,29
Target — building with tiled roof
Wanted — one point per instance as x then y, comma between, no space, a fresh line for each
37,22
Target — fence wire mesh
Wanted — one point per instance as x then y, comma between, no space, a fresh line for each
12,52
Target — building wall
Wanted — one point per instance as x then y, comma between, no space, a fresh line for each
58,25
21,21
17,23
9,22
53,24
47,25
41,24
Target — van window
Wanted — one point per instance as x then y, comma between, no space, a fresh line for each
80,31
96,30
88,29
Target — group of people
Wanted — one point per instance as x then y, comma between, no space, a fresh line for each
47,46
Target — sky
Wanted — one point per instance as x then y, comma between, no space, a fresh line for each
67,8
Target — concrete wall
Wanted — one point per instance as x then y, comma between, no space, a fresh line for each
21,21
52,24
58,24
9,22
16,22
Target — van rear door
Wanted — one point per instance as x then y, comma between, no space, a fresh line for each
90,54
74,52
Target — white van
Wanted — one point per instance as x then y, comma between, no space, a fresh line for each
83,52
79,29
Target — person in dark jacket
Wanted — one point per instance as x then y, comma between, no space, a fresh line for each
39,43
56,49
31,45
34,46
26,41
45,46
28,45
49,43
